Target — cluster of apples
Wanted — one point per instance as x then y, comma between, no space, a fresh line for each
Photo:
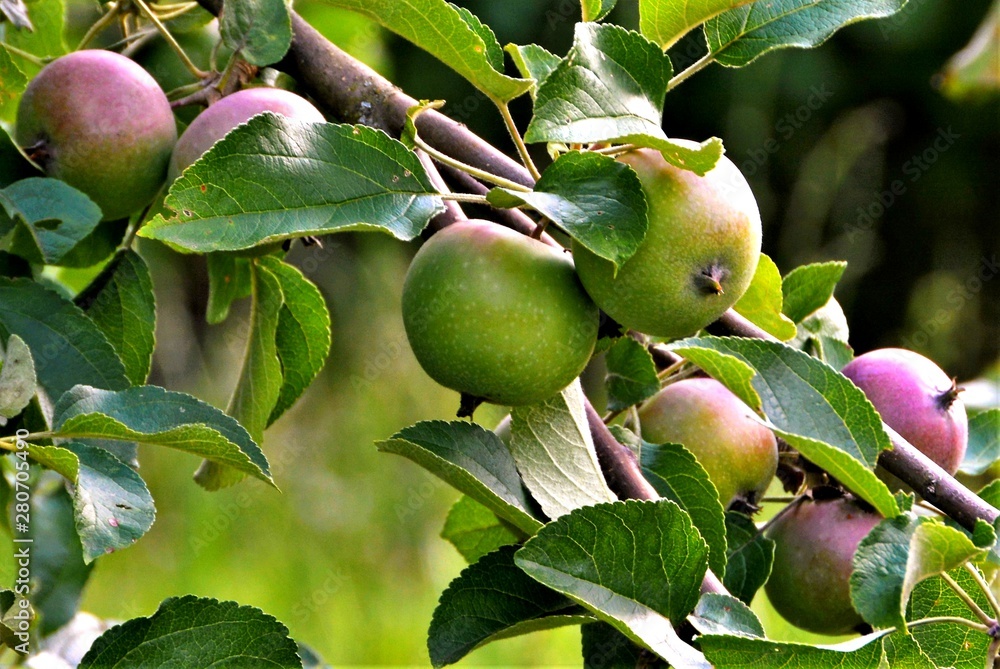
100,122
505,318
502,317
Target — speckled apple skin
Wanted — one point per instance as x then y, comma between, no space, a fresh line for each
814,546
904,387
212,124
497,315
695,222
107,128
739,454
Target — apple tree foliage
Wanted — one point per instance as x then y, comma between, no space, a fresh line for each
549,540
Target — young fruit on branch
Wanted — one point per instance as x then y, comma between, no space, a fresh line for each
100,123
497,315
697,259
739,454
212,124
814,546
917,399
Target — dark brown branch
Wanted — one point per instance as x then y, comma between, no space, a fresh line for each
903,460
452,210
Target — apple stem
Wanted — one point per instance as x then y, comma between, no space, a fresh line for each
947,398
37,60
709,280
540,228
151,15
696,67
522,149
100,24
468,169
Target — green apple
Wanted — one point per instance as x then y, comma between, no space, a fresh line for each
814,547
697,259
497,315
739,454
100,123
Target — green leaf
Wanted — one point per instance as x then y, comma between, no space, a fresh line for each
111,505
595,10
257,389
666,21
534,63
123,306
604,646
631,374
17,378
809,287
274,178
303,335
229,279
15,613
973,71
762,301
984,442
897,555
46,37
259,30
474,530
724,614
676,475
191,631
597,200
610,88
740,652
749,559
68,348
48,217
493,52
493,599
949,644
58,571
554,451
739,36
815,409
12,85
637,565
901,650
56,458
259,383
472,460
158,417
441,29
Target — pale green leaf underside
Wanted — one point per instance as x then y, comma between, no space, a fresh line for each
554,451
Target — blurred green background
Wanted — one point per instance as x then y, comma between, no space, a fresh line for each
348,554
